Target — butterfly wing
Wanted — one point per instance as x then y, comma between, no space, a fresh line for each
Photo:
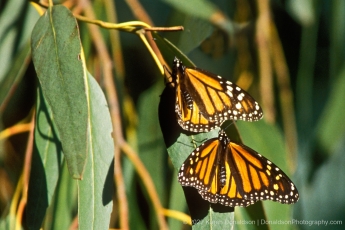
200,168
257,178
189,116
219,99
204,100
235,175
224,189
203,169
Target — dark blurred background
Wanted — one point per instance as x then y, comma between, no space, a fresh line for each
288,54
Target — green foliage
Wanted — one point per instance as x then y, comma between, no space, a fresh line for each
56,53
47,162
73,135
96,189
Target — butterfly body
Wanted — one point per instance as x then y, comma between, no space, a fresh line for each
204,100
235,175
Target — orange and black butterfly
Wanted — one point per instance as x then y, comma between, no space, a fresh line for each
204,100
235,175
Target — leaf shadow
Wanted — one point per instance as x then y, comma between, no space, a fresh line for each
38,191
108,188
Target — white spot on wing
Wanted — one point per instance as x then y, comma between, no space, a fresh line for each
229,88
238,106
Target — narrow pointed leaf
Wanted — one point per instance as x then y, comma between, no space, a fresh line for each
329,132
46,165
56,51
96,188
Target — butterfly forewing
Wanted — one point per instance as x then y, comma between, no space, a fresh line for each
200,167
235,175
220,99
204,100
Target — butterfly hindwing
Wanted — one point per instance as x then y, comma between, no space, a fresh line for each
256,178
189,115
204,100
235,175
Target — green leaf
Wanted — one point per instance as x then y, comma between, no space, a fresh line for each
196,30
61,212
8,222
215,220
14,75
176,203
137,220
46,164
57,52
251,217
326,190
96,188
199,8
302,11
337,39
151,148
329,132
150,141
170,51
198,18
17,20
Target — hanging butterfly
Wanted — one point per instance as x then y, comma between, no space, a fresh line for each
235,175
204,100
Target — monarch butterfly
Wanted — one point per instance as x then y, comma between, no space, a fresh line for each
204,100
235,175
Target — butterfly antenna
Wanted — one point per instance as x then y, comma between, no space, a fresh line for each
232,122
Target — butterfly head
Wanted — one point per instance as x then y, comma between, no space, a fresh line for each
177,62
223,138
177,70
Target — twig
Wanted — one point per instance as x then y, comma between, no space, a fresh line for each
178,216
265,68
165,29
140,13
115,41
26,173
153,54
16,129
130,27
286,98
146,179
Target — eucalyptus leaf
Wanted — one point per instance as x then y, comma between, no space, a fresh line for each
96,189
56,52
329,132
203,10
46,164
